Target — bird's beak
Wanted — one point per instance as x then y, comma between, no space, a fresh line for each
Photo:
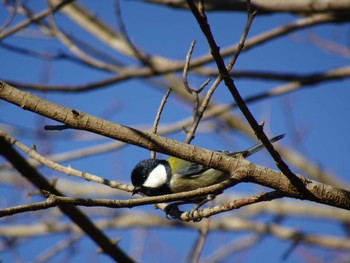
136,190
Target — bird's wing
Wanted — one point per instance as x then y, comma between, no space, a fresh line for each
189,169
186,168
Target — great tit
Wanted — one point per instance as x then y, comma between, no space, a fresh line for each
154,177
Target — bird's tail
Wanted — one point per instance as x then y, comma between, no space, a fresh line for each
260,146
254,148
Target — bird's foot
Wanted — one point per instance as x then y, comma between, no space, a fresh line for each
172,211
194,213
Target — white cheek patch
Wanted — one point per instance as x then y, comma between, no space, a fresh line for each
157,177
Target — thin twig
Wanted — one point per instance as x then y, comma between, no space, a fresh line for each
26,208
140,55
226,250
187,66
199,112
60,168
9,20
199,244
159,113
194,93
57,200
34,18
63,245
51,28
236,204
75,49
241,43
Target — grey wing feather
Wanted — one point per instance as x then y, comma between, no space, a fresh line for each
192,170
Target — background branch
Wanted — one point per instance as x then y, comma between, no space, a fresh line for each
79,218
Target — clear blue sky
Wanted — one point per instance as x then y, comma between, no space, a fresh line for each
318,114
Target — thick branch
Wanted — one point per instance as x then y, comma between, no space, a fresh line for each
240,169
266,6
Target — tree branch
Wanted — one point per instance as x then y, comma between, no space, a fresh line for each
34,18
79,218
201,18
147,220
266,6
166,66
240,169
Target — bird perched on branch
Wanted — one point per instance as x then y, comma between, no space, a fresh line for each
153,177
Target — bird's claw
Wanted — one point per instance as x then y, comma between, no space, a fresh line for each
194,215
172,211
197,217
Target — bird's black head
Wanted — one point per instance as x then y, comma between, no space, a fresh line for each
151,177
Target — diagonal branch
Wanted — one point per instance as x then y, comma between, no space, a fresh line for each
201,18
60,168
166,66
35,18
78,217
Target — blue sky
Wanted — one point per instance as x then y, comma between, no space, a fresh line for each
318,114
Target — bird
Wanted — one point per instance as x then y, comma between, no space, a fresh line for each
154,177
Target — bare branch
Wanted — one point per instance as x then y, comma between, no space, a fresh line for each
196,251
266,6
156,121
140,55
147,220
258,129
167,67
11,16
60,168
241,169
236,204
199,112
59,247
73,213
187,66
233,247
34,18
